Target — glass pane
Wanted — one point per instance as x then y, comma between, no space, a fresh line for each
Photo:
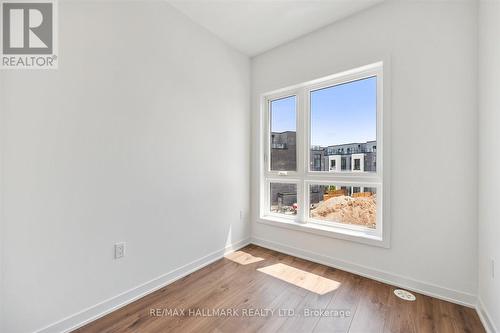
344,127
356,205
283,134
283,198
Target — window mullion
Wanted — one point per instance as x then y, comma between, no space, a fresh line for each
351,173
304,134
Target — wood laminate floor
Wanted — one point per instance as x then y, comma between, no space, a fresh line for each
259,290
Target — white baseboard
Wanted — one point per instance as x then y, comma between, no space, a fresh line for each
424,288
101,309
485,317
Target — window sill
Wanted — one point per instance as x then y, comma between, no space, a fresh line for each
326,231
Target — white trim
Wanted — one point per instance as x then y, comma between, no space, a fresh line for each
353,70
381,70
425,288
376,70
339,232
114,303
485,317
267,129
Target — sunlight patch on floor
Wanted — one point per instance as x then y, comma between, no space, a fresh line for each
309,281
243,258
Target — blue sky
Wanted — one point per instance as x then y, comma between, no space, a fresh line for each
341,114
283,115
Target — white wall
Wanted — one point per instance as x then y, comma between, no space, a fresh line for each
2,107
432,50
489,161
141,135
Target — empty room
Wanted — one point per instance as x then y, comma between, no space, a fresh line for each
249,166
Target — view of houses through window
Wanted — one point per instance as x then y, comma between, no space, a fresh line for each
343,140
283,134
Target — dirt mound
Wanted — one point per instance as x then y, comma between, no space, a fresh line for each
345,209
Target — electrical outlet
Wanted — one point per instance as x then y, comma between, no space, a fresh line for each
492,268
119,250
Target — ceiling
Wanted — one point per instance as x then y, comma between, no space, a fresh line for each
255,26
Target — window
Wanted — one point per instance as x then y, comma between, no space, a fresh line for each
343,163
352,205
283,134
345,115
357,164
317,162
321,139
283,198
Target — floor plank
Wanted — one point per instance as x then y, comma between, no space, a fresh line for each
260,290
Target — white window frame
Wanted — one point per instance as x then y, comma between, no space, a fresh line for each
303,177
